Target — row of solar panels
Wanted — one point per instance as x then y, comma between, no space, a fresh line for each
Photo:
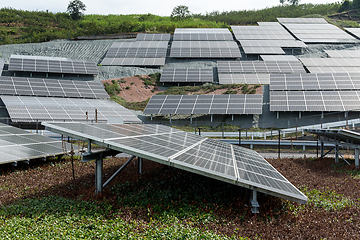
205,104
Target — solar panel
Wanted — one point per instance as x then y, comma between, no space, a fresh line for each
279,58
343,53
205,49
187,75
308,101
265,31
354,31
51,87
2,62
187,151
133,62
334,69
303,20
205,104
153,37
273,43
330,62
244,78
319,81
33,109
259,67
202,34
319,33
24,63
262,50
20,145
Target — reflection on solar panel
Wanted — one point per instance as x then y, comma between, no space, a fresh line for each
330,62
279,58
265,31
187,75
273,43
2,62
259,67
51,88
205,104
244,78
343,53
314,100
320,81
20,145
202,34
23,63
133,62
193,153
303,20
334,69
33,109
318,32
153,37
205,49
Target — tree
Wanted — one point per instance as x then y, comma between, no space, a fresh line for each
76,8
292,2
180,12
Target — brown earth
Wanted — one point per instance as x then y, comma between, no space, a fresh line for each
277,219
138,92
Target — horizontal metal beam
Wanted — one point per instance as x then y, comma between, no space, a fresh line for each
99,155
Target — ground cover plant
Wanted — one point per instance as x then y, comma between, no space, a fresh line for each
42,201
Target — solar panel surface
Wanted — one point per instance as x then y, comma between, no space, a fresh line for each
51,87
2,62
187,151
33,109
133,62
244,78
153,37
303,20
205,104
24,63
279,58
187,75
259,67
20,145
343,53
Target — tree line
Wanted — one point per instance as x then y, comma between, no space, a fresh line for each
21,26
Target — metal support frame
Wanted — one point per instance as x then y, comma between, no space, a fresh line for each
336,153
118,171
253,202
211,118
140,163
98,176
357,158
277,115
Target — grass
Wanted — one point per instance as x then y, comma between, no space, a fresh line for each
60,218
138,106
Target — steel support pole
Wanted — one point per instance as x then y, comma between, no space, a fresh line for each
140,165
336,153
322,149
98,176
356,158
254,203
239,136
279,145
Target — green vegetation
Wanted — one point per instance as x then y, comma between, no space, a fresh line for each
138,106
61,218
75,9
112,89
18,26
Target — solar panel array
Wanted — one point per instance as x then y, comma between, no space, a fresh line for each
222,161
153,37
303,20
262,50
139,53
331,65
244,78
20,145
33,109
51,88
313,81
313,30
314,100
262,32
259,67
343,53
273,43
202,34
2,62
187,75
205,104
279,58
354,31
24,63
205,49
133,62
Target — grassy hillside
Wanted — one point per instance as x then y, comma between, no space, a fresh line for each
18,26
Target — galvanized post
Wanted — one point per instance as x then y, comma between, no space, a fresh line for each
357,158
239,136
254,203
336,153
140,165
279,145
98,176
